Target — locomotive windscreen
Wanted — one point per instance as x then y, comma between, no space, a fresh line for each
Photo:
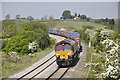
67,48
59,48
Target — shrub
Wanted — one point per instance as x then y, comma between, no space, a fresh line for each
30,32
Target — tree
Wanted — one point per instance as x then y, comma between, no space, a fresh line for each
17,16
112,21
75,14
30,18
5,24
51,17
45,17
7,16
10,31
106,19
83,16
78,15
88,19
66,14
72,17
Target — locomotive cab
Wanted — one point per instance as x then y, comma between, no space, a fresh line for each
64,53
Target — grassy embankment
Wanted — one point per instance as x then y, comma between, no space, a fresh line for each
11,65
96,65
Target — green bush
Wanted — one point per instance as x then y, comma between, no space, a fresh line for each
10,31
4,43
30,32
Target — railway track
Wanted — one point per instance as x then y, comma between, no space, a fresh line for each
39,69
59,73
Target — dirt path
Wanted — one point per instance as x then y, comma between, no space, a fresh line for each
78,71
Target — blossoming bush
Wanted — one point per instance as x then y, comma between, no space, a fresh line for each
112,62
104,40
105,34
33,46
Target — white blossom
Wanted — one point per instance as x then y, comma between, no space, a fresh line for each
111,59
32,46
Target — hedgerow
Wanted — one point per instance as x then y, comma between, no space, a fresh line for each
104,41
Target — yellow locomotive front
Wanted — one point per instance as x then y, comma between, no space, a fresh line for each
63,53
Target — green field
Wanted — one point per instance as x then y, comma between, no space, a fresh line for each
74,25
67,24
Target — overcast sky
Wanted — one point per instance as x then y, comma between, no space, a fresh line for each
40,9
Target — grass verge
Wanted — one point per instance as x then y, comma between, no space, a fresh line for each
97,65
11,65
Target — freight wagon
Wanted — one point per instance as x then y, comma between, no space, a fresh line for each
75,36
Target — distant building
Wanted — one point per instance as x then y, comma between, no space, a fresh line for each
76,17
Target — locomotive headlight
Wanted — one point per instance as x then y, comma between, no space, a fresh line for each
68,53
58,56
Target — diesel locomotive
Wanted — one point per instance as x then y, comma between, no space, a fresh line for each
66,50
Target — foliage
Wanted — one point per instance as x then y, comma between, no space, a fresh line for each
4,43
9,28
10,31
75,14
112,59
88,19
66,14
78,15
7,16
84,36
105,21
30,18
31,32
83,16
45,17
5,23
51,17
100,39
17,16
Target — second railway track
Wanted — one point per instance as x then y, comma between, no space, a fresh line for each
38,69
59,73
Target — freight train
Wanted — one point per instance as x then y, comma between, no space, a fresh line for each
68,49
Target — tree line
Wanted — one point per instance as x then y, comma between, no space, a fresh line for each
105,21
30,18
